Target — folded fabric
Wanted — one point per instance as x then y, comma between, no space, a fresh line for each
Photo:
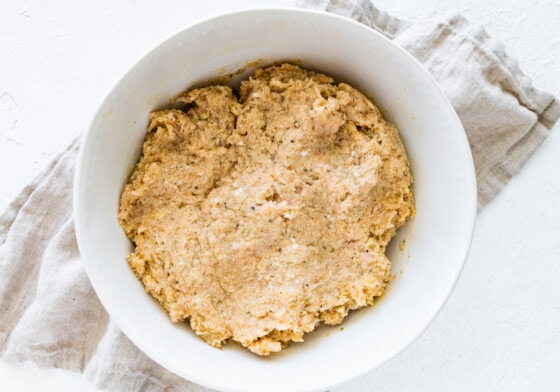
49,311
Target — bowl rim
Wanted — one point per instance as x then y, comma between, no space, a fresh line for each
78,179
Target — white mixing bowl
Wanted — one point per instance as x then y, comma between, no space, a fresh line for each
437,240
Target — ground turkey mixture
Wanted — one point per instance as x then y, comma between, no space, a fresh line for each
257,214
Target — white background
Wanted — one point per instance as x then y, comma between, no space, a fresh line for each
499,331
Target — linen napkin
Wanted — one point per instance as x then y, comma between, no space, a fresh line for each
49,313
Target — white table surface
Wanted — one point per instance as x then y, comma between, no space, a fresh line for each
500,329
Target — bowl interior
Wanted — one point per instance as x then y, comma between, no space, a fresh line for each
437,240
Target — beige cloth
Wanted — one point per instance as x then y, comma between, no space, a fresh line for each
49,311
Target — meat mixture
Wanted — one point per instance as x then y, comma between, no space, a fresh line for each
258,214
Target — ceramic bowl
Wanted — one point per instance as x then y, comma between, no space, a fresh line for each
437,240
